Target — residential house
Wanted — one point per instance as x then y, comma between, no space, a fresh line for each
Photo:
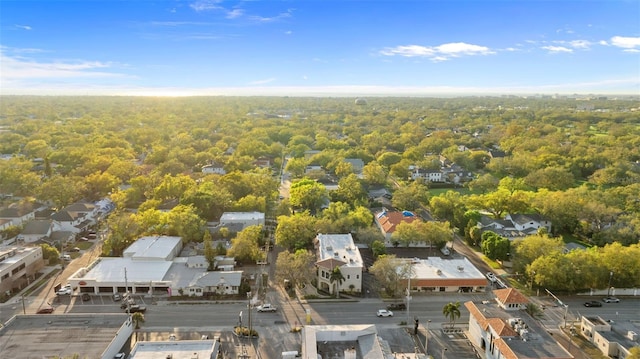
214,169
76,218
338,251
514,225
356,164
36,230
387,221
17,214
243,219
207,283
428,175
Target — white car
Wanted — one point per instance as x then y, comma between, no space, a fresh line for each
267,308
384,313
491,277
64,291
611,300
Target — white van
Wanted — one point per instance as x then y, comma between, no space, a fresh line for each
65,257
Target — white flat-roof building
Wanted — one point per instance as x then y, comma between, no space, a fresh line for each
436,274
142,269
176,349
69,335
338,251
18,266
163,248
246,219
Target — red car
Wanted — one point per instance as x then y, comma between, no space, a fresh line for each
45,310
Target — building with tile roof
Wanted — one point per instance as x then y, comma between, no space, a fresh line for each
510,299
510,334
387,221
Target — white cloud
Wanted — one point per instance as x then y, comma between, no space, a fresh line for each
557,49
288,32
24,27
438,53
461,48
580,44
626,42
235,13
16,68
206,5
278,17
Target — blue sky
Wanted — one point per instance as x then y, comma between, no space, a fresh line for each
319,47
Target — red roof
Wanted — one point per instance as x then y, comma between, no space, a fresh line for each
388,220
510,296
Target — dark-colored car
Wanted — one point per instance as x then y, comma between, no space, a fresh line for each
592,303
137,308
45,310
397,306
86,297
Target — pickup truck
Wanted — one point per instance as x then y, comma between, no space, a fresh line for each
267,308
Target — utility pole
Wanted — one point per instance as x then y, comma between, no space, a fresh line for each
126,292
609,286
409,291
426,340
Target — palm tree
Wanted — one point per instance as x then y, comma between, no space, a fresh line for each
336,276
137,318
452,311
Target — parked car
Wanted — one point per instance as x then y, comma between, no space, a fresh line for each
384,313
397,306
611,300
86,297
74,249
83,239
116,297
491,277
137,308
65,257
592,303
64,291
45,310
267,308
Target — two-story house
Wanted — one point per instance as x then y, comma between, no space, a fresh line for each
338,251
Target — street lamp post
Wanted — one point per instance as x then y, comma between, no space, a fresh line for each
249,310
609,286
443,351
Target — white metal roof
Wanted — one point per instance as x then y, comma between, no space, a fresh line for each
112,270
238,216
159,247
458,268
